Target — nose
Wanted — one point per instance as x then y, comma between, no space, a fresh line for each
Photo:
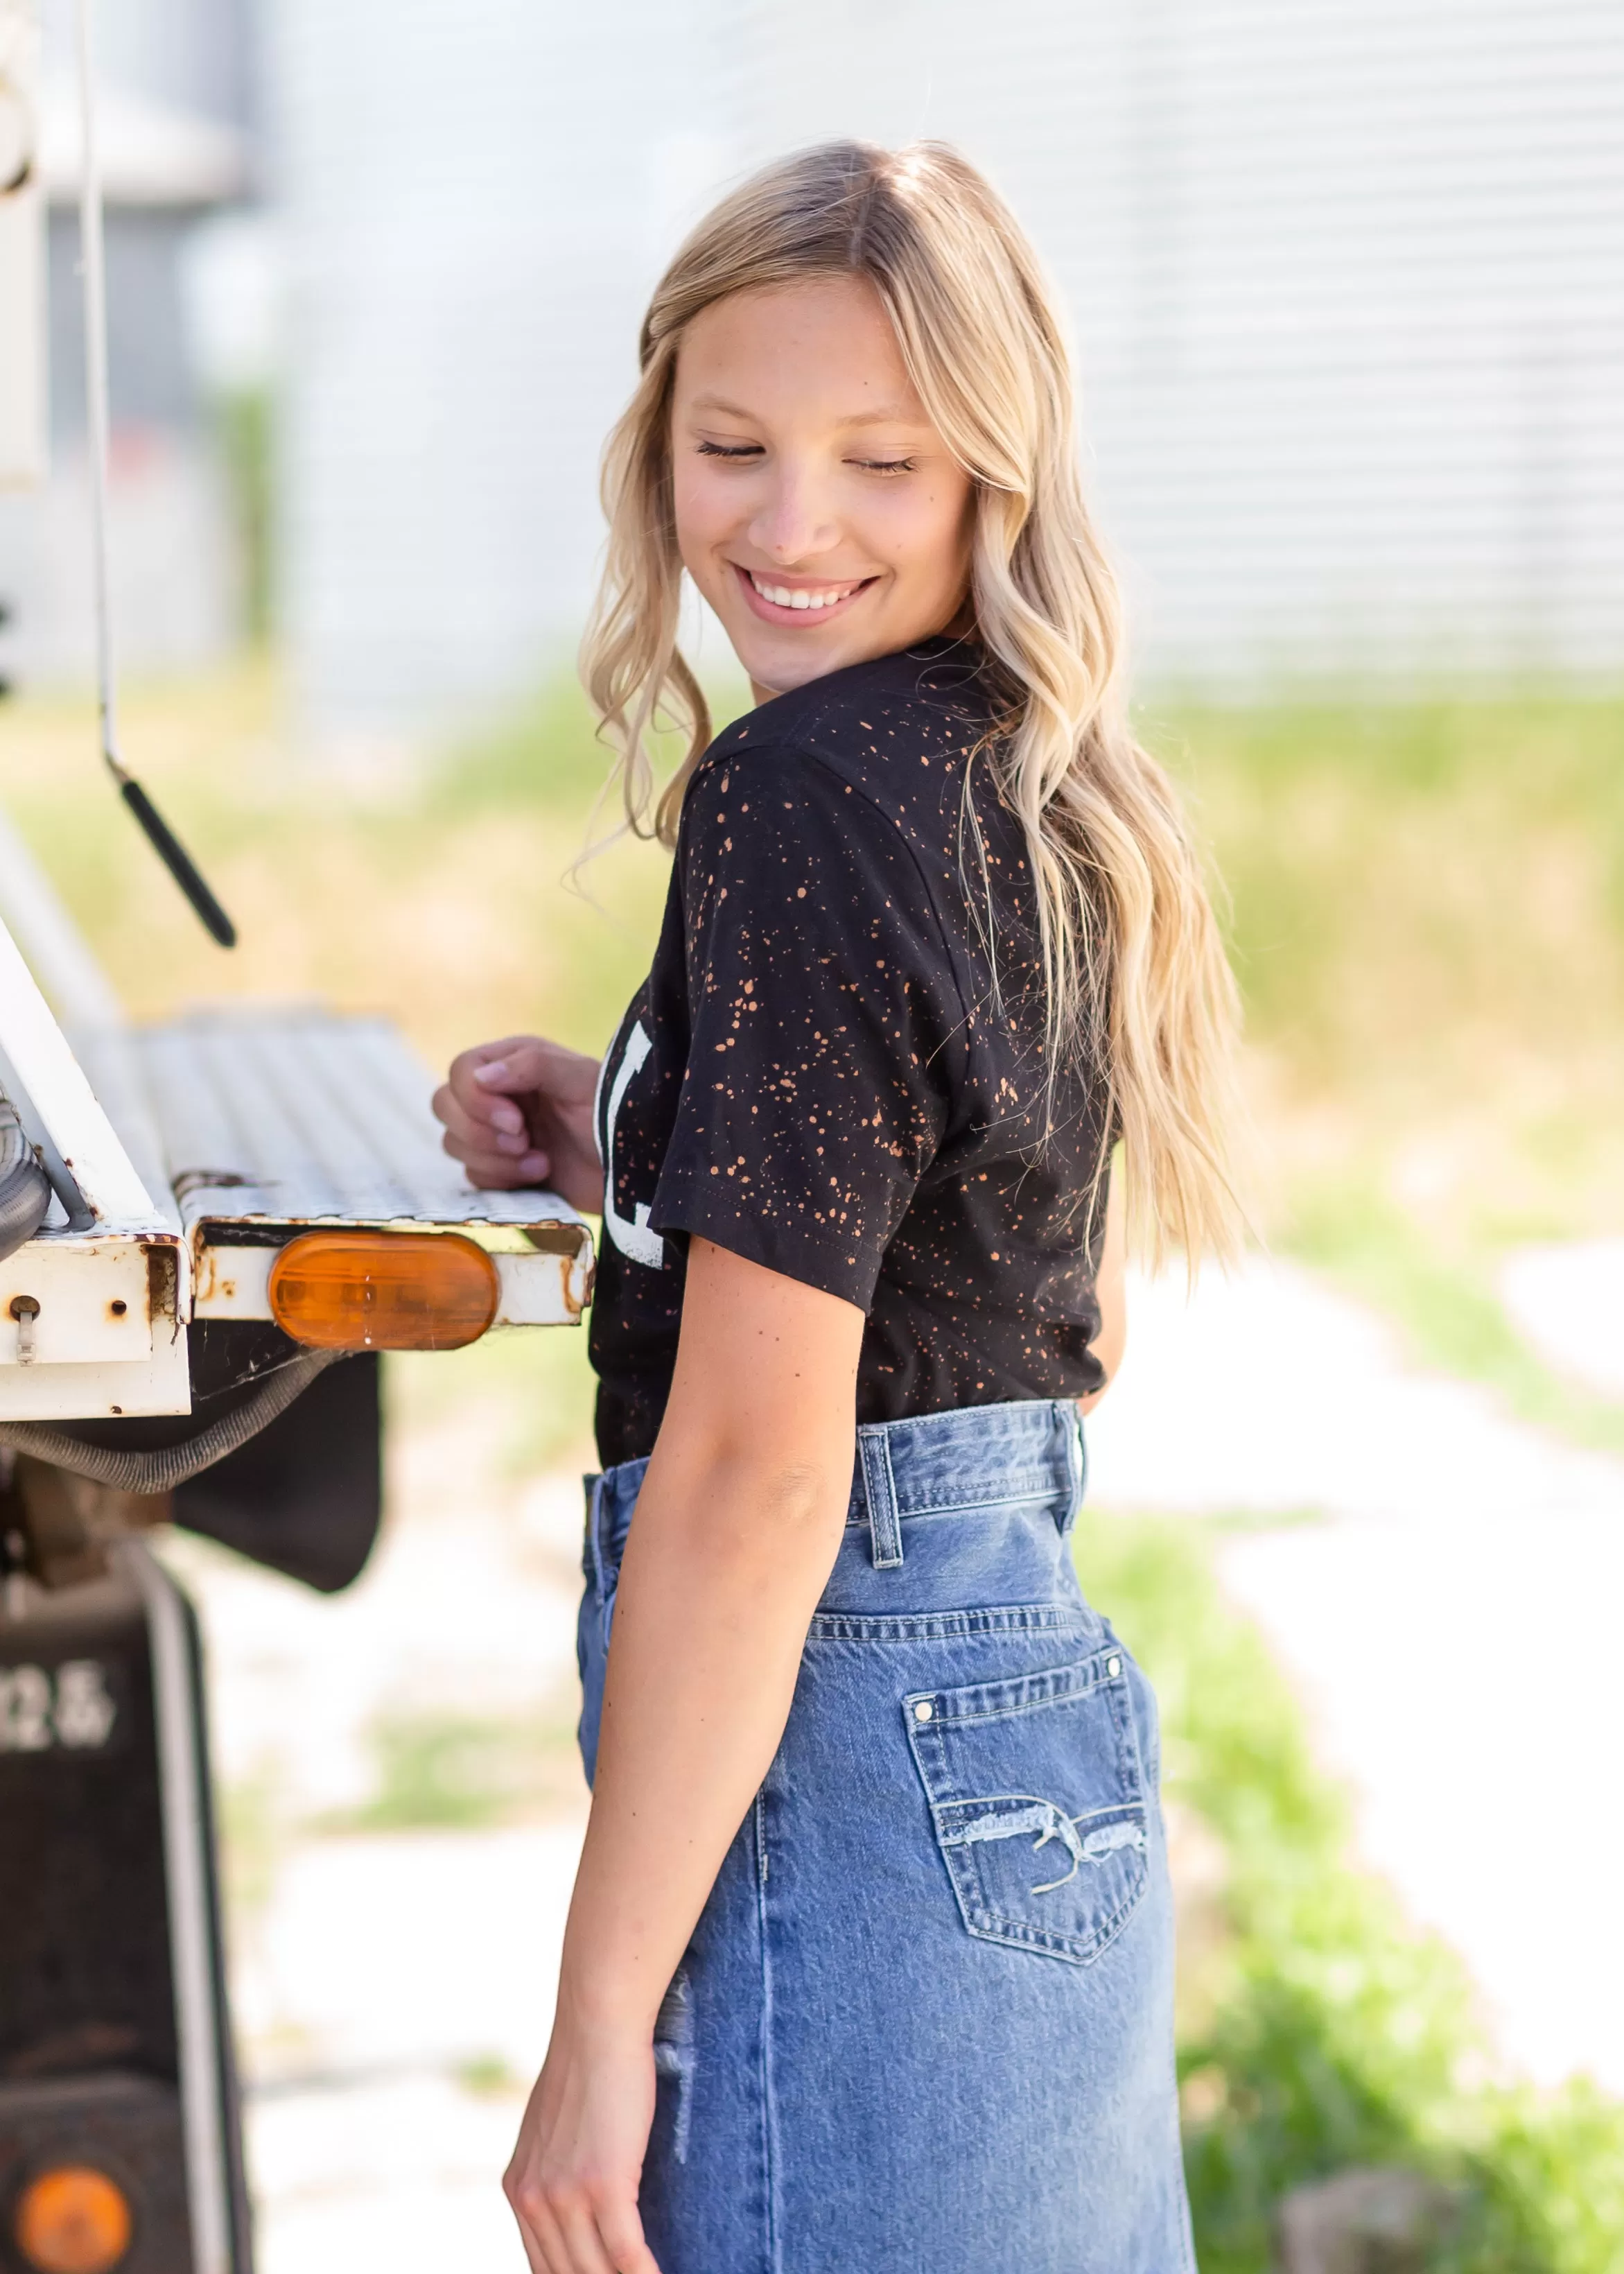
794,520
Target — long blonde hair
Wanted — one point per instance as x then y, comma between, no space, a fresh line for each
1135,970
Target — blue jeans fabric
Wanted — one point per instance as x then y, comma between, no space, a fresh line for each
925,2024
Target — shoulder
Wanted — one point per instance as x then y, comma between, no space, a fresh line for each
892,736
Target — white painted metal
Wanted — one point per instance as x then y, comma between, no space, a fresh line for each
23,437
153,154
55,1085
93,1295
82,1389
542,1290
113,1285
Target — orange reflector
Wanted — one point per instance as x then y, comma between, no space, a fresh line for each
73,2220
383,1290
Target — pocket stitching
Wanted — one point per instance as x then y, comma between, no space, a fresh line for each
980,1921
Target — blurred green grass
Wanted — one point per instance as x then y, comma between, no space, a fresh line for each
1318,2028
463,1772
1426,911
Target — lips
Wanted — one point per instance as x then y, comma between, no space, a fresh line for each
798,604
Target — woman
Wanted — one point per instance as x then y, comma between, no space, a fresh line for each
869,1961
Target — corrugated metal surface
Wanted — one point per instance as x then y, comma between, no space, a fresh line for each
1348,280
474,192
297,1116
1349,287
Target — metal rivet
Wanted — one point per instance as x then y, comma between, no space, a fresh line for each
923,1711
1113,1667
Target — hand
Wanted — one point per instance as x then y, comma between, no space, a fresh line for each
520,1112
574,2177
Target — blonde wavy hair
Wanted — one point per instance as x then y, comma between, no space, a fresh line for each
1135,970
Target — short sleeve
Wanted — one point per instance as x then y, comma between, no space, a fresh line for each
825,1024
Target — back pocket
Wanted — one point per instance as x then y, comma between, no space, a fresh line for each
1038,1803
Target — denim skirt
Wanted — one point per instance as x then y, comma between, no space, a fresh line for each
925,2024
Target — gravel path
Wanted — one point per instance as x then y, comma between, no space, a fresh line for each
1451,1622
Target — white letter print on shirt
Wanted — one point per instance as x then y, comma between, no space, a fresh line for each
630,1234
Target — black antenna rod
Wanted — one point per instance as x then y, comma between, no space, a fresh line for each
159,835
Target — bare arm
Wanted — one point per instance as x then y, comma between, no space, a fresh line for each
1111,1288
736,1531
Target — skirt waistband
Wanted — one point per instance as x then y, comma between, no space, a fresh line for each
932,1464
970,1456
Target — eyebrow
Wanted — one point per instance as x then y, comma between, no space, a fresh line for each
889,414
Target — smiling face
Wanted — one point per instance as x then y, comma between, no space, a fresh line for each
817,509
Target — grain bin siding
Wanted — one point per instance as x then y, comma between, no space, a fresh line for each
22,253
1348,286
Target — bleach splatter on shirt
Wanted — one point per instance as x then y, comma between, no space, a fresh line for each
820,1074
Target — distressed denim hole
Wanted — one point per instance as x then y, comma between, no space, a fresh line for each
673,2057
1038,1803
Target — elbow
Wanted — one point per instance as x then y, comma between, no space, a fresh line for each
744,1504
795,1494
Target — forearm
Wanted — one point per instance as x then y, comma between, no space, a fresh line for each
723,1567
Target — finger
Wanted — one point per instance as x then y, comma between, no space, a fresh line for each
470,1128
579,2227
517,1066
535,2257
508,1176
460,1101
622,2228
496,1170
529,2207
465,1136
538,2217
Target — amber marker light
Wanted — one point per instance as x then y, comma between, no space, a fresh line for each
357,1291
73,2220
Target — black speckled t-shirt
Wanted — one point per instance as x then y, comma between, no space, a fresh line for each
820,1074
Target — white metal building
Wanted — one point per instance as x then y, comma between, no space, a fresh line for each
476,195
1347,282
1347,279
173,152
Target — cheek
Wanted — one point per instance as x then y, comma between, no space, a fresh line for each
921,533
704,511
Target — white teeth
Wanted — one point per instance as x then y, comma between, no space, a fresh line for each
782,597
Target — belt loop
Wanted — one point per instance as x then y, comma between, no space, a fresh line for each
595,1497
880,1490
1077,1459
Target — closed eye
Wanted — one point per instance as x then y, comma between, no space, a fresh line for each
886,466
730,449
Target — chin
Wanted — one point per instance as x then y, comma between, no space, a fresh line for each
795,658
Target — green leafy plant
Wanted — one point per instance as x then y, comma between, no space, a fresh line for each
1325,2031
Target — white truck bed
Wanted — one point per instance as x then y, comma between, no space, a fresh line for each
184,1155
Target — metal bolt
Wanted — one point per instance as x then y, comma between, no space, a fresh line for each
25,1310
923,1711
1113,1667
